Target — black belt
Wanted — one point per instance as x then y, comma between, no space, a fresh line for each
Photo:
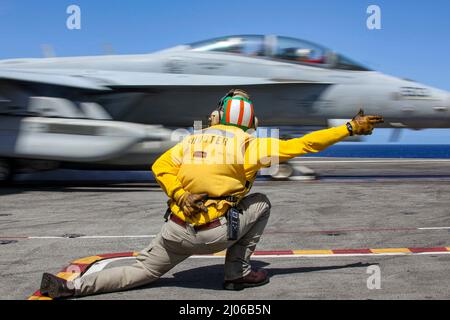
232,199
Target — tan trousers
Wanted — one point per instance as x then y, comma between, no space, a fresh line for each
175,243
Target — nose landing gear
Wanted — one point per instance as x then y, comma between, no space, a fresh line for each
6,172
287,171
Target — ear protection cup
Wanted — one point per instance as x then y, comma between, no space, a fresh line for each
255,123
214,118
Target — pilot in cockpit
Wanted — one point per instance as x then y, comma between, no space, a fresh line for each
235,49
235,45
305,55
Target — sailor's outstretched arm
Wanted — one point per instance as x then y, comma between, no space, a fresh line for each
267,150
263,151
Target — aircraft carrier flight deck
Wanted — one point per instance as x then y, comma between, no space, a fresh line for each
325,236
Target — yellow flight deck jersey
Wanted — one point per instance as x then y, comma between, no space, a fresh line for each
224,160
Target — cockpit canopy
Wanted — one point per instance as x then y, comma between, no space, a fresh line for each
279,48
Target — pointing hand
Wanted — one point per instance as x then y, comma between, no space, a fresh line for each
362,124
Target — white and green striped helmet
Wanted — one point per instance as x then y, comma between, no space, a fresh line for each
238,111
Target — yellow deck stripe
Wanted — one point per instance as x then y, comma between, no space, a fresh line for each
312,252
392,250
87,260
39,298
68,275
448,248
221,253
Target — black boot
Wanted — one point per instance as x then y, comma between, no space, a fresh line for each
253,279
55,287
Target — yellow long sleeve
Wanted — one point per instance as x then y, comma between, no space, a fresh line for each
312,142
262,152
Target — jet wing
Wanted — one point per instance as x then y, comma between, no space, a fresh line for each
106,80
126,96
50,78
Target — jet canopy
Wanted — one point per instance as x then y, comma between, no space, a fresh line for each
279,48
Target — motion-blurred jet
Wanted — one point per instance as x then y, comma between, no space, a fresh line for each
119,111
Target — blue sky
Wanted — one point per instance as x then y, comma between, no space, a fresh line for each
413,42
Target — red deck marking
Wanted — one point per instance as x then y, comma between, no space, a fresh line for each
116,255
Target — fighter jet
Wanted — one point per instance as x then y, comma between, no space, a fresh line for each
119,111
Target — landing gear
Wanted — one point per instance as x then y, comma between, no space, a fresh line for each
6,172
287,171
284,172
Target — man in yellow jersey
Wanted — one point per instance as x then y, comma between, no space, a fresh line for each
207,177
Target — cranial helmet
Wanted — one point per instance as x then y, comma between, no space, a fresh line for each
235,109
